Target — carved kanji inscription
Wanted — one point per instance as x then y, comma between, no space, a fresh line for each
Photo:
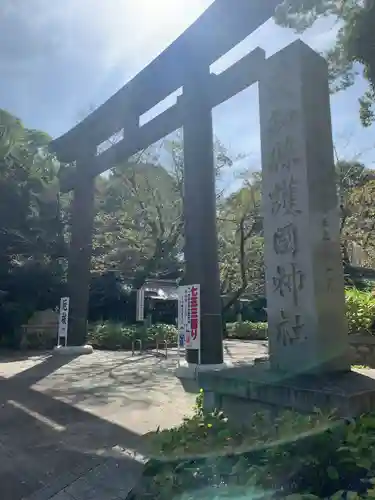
289,280
283,155
289,328
285,240
284,197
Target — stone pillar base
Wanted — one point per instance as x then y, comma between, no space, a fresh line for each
188,374
73,350
241,391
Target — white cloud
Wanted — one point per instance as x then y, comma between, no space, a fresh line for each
105,32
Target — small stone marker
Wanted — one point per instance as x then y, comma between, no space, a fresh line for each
304,275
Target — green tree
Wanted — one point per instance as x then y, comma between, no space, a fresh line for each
359,231
355,193
355,41
241,243
31,239
139,223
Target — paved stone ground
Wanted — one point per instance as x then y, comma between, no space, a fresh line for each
72,428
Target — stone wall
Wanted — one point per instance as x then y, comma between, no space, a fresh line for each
363,350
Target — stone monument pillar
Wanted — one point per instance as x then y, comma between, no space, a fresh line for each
308,366
201,252
82,216
304,274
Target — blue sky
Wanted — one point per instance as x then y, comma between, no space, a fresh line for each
59,58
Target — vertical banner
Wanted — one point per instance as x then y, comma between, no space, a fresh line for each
140,315
63,321
189,316
180,318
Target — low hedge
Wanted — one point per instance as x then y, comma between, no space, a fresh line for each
114,336
245,330
294,457
360,315
360,311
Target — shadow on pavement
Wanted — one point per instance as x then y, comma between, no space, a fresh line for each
114,381
46,443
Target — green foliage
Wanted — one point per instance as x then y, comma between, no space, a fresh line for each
163,331
111,299
355,41
114,336
208,433
356,185
367,107
31,232
111,336
360,45
291,456
138,229
360,310
360,218
198,407
139,219
138,223
360,314
241,242
247,330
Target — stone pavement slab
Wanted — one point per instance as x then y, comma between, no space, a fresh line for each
65,422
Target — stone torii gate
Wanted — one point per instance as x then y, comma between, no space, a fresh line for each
185,63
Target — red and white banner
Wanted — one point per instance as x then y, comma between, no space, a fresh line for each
189,315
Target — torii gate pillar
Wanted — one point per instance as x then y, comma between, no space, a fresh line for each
201,247
82,216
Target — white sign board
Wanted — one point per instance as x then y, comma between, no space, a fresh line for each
140,315
189,316
63,320
180,317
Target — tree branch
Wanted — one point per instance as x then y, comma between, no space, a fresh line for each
244,281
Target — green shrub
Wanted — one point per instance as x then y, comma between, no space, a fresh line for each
114,336
247,330
293,456
111,336
164,331
360,310
212,432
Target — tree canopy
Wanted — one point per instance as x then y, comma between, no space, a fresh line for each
241,242
355,43
357,200
31,232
